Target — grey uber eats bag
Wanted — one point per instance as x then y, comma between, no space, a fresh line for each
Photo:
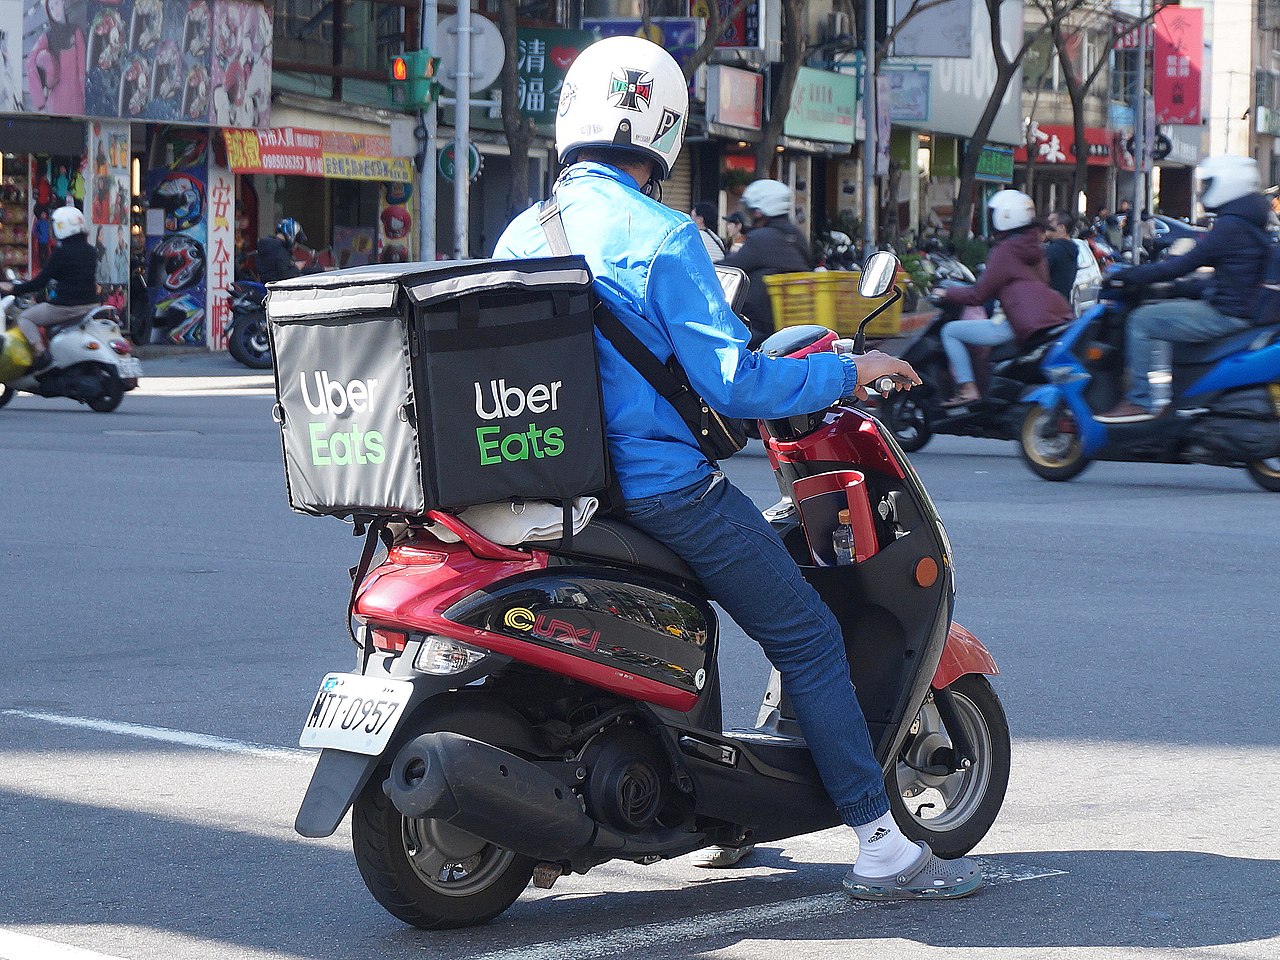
416,387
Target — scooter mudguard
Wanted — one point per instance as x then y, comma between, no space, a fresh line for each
963,653
1093,434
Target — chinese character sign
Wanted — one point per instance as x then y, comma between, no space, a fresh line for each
1179,50
222,247
543,58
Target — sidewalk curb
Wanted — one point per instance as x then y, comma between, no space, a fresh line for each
160,351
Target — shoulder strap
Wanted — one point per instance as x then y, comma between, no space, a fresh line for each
615,331
375,532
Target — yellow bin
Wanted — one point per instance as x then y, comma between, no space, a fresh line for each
829,298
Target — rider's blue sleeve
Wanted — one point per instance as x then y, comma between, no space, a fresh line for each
711,342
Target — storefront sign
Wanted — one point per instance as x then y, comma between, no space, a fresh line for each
1132,38
173,61
544,56
312,153
177,260
822,106
1057,144
939,29
735,98
107,202
995,165
1177,62
222,248
740,30
908,95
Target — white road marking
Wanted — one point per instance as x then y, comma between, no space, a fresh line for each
710,925
164,734
20,946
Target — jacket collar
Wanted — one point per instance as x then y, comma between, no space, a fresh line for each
587,169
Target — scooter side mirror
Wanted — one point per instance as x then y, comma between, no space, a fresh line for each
877,275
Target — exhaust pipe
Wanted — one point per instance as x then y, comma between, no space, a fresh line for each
490,793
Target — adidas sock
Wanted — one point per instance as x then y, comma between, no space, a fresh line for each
882,848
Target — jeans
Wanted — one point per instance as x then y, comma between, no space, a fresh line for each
1177,321
980,333
742,563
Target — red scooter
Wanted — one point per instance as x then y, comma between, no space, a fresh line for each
538,710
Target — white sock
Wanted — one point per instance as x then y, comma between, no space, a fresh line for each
882,849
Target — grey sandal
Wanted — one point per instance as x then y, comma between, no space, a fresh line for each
720,858
929,878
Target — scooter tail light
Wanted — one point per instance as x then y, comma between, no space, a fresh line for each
388,641
411,555
92,345
443,656
121,347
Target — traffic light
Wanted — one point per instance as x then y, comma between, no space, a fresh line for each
413,79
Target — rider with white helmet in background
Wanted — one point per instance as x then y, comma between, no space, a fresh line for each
623,109
773,245
1016,274
70,276
1236,248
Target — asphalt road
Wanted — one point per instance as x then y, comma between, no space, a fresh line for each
166,619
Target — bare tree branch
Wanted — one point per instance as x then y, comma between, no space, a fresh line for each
716,27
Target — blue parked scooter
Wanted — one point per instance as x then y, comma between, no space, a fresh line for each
1224,405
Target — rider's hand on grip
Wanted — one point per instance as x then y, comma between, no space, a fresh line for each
884,374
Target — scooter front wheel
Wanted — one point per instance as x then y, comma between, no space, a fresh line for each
7,393
908,420
430,874
1050,443
952,812
1265,473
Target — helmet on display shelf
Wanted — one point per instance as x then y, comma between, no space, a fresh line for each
67,222
772,198
624,93
1011,210
181,196
1224,178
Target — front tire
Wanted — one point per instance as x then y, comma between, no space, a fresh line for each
952,813
7,393
1050,443
250,344
427,873
908,420
1265,473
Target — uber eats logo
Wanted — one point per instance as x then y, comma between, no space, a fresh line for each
497,401
332,398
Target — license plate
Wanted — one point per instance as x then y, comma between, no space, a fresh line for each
355,713
130,367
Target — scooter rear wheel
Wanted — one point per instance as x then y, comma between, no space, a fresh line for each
1050,443
1265,473
953,812
110,391
250,344
427,873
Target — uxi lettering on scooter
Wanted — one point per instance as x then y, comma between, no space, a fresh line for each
586,639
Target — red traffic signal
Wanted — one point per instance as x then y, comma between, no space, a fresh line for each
399,68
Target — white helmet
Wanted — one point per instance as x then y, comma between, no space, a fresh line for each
626,93
771,197
1224,178
1011,210
67,221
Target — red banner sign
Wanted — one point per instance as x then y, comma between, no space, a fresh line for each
1057,144
1179,53
282,150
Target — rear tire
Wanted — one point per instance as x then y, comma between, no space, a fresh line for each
250,344
908,420
1265,473
111,392
1051,451
953,813
431,875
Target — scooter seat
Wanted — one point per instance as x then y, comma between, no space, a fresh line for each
607,538
1213,350
1012,349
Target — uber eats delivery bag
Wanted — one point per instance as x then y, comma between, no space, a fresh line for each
421,386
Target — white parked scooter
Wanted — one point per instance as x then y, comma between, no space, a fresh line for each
92,362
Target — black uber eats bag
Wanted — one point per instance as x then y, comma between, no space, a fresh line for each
418,387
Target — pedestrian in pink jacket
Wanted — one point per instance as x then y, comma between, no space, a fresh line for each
55,66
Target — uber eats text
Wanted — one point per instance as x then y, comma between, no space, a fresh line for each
341,448
497,401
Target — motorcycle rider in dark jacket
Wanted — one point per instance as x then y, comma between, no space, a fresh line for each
1236,249
774,245
275,257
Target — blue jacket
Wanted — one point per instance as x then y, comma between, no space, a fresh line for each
651,268
1236,250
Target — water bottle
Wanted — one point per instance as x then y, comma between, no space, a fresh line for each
842,540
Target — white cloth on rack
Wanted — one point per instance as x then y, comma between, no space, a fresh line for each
510,523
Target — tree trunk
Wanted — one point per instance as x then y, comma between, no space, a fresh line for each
518,127
962,215
1075,92
794,17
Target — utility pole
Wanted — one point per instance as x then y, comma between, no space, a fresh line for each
869,118
1140,134
462,137
428,120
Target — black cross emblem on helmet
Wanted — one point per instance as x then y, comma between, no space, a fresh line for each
631,88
